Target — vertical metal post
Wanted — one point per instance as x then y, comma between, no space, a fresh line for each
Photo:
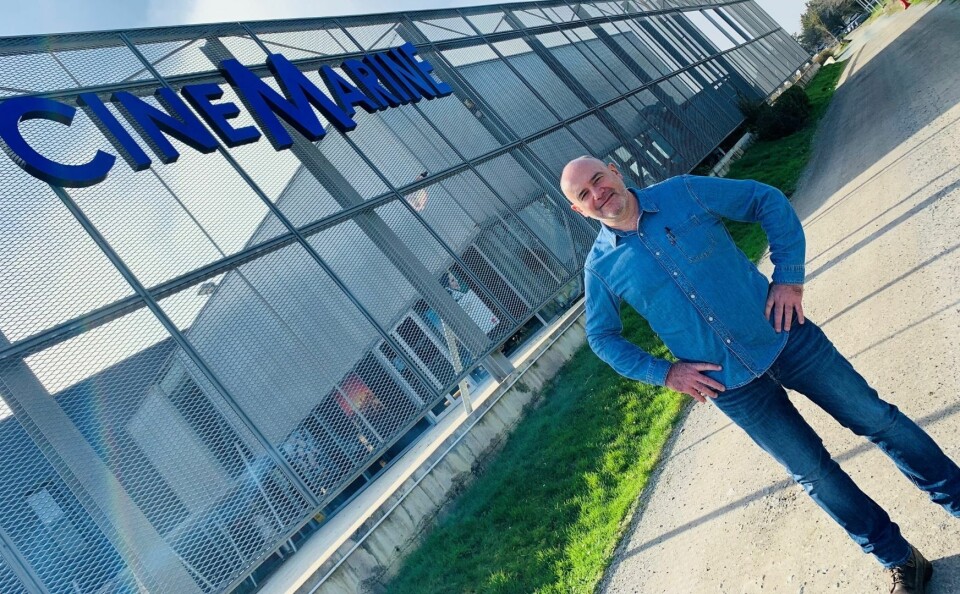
19,566
90,480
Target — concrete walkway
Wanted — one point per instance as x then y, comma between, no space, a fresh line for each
881,207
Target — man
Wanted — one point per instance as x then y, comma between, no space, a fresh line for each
664,250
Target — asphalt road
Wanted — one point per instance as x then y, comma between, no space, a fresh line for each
880,203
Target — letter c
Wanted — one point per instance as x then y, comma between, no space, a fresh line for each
20,109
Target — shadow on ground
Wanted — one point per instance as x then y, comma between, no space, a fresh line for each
891,98
786,483
946,575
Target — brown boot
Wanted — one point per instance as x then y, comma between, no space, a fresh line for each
912,576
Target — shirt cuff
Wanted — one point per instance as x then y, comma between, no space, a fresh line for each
789,274
657,372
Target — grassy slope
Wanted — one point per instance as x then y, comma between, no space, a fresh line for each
547,513
780,162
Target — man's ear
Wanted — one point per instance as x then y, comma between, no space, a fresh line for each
613,167
576,208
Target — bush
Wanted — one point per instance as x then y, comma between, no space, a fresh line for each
788,115
770,122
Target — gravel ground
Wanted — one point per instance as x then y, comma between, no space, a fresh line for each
880,203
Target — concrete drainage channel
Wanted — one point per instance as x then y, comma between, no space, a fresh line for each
363,562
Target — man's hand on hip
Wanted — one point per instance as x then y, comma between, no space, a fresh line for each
686,377
783,301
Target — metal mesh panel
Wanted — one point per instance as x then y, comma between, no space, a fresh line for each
688,38
747,71
731,80
372,242
279,175
628,40
177,218
192,470
748,55
441,29
493,22
196,49
490,317
309,43
529,258
697,108
631,149
463,126
682,48
669,138
557,149
531,67
610,8
503,91
263,336
9,581
531,17
746,20
779,67
561,14
599,86
459,208
379,36
644,34
402,145
598,138
45,522
736,34
51,271
604,61
27,68
722,99
102,65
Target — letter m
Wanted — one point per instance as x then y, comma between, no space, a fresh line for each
294,106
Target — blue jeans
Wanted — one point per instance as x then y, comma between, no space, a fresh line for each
812,366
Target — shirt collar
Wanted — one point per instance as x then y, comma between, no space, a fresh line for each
646,202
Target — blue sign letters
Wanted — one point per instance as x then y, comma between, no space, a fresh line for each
376,82
21,109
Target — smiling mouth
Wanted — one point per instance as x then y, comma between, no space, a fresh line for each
605,202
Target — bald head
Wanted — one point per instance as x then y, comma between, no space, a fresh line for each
597,191
571,169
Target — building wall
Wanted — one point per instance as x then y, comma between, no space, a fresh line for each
199,358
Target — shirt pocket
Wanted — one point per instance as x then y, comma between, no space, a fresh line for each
696,238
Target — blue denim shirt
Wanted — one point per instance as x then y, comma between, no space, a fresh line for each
682,271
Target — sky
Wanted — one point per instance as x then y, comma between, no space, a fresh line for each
26,17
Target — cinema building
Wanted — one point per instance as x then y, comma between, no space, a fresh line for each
243,267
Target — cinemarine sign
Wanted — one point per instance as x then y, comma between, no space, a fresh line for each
376,82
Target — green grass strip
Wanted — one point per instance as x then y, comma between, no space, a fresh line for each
781,162
547,513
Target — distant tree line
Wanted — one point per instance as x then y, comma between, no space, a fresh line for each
822,18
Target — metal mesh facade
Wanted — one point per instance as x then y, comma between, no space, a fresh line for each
200,361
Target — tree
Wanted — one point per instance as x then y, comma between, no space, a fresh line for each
822,18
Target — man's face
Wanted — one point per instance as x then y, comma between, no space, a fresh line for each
596,190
